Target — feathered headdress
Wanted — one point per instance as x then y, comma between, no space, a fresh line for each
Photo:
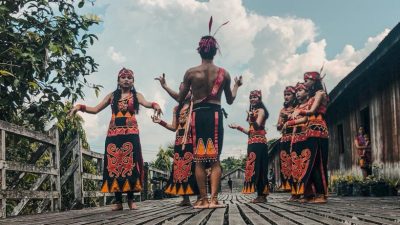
315,75
208,42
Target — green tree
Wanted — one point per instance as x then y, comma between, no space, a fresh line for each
163,160
43,59
231,163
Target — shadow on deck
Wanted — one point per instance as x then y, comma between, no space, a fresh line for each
239,211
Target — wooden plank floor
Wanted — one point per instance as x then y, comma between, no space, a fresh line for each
238,211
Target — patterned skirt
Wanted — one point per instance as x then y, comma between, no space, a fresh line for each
318,180
207,132
182,180
285,165
309,166
123,164
256,173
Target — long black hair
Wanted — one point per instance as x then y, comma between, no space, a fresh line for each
316,87
292,103
117,96
179,108
259,105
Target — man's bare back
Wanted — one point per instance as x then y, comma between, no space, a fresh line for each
202,78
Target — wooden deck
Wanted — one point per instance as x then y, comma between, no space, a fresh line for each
238,212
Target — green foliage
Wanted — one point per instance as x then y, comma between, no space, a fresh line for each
163,160
69,128
42,59
232,163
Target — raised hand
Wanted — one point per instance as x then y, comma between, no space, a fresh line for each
161,79
233,126
284,115
295,114
156,119
284,126
239,81
157,110
74,110
251,116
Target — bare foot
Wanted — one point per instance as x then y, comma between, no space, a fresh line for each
197,202
294,198
306,199
215,204
132,205
203,204
319,200
185,202
117,207
259,199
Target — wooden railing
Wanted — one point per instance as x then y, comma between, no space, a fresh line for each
46,143
77,173
53,172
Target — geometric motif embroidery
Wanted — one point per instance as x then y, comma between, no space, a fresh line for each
286,164
250,164
182,167
120,161
203,151
300,164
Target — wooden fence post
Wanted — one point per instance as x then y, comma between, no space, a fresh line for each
146,181
56,164
78,185
3,173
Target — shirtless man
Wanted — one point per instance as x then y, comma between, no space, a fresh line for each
207,82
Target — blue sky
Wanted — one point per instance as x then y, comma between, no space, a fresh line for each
339,22
270,43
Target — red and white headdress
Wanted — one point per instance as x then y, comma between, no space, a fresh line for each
301,86
312,75
255,93
290,89
126,72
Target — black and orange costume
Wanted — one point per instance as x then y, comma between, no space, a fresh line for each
284,145
300,154
256,171
309,168
182,180
207,125
123,162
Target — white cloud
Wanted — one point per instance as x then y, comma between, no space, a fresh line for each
94,128
156,36
117,57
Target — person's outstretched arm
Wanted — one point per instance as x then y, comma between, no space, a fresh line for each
164,85
230,95
172,126
92,110
239,128
185,87
150,105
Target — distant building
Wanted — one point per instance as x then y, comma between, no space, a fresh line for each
368,96
237,176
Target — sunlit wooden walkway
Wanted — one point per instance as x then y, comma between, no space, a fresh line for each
238,212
